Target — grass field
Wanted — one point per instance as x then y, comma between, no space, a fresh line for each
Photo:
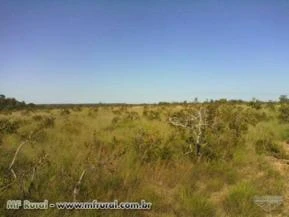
134,153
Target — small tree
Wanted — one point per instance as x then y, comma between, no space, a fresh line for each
195,123
283,99
256,104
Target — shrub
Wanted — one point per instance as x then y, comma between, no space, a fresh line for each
255,104
222,170
271,106
239,202
48,122
201,207
40,137
270,178
196,205
37,117
152,115
115,120
65,112
147,146
284,113
8,126
267,146
132,116
165,153
222,145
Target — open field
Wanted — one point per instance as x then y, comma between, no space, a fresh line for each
134,153
144,108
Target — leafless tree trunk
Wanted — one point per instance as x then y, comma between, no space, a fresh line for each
195,123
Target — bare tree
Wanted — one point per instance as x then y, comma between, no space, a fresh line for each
195,123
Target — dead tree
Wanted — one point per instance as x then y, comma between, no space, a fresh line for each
195,122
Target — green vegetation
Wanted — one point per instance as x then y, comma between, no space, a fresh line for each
130,153
12,103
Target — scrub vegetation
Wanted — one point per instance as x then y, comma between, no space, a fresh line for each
188,159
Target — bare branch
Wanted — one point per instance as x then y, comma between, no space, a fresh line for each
14,158
176,123
195,123
30,137
77,186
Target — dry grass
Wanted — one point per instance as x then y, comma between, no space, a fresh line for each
129,155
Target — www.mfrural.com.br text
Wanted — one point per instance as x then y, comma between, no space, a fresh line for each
114,205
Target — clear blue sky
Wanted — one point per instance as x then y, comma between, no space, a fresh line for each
134,51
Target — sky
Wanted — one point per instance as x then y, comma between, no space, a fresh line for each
134,51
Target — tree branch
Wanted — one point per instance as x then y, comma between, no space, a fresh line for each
77,186
14,158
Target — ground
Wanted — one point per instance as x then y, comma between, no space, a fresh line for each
130,153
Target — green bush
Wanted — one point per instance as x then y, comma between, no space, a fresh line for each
148,146
152,115
255,104
267,146
65,112
196,206
9,126
284,113
239,202
132,116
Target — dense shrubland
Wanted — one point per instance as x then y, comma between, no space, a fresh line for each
131,153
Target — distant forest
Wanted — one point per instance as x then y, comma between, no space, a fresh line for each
12,103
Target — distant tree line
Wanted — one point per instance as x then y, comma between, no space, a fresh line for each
12,103
253,102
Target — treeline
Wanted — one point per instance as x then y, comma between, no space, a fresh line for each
12,103
253,101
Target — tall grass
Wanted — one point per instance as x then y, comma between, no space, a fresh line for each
133,153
